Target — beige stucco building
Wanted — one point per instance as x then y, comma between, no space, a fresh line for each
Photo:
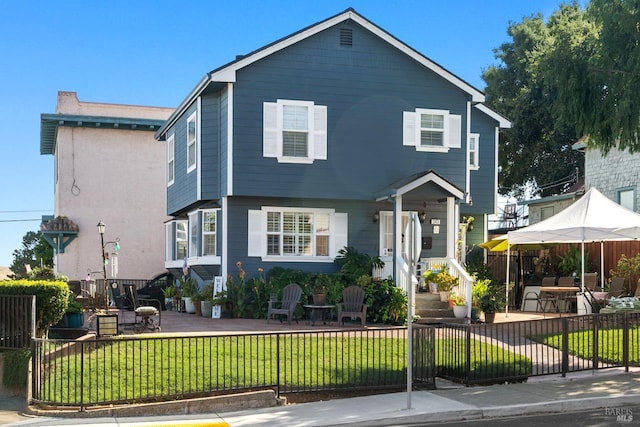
109,168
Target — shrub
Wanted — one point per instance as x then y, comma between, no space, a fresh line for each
52,298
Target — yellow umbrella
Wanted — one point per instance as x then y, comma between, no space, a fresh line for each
501,244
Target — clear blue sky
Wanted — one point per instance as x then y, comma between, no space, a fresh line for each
153,53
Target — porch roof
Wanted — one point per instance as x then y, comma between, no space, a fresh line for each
423,185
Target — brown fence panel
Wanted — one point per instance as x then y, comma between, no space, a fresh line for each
17,321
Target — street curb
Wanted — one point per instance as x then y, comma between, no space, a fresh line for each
205,405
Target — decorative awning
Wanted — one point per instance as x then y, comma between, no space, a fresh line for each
58,232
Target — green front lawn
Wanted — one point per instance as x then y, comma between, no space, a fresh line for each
609,344
129,370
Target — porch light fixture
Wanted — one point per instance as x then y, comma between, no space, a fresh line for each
422,217
376,217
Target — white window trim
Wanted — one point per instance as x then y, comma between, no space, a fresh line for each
214,233
171,239
273,131
257,234
171,160
383,216
193,117
451,132
198,258
631,190
475,165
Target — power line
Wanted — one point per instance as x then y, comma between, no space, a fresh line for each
20,220
38,210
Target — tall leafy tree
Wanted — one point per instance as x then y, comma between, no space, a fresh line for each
536,153
35,252
597,75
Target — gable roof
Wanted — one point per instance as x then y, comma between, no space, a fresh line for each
418,180
227,72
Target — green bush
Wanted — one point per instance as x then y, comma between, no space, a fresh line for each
16,366
52,298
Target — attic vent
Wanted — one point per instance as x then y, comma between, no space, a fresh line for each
346,37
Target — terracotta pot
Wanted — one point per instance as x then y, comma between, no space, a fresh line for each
489,317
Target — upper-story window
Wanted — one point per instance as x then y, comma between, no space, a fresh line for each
294,131
171,166
296,234
474,145
431,130
192,142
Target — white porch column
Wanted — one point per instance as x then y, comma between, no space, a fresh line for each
453,223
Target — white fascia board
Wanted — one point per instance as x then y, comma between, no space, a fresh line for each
432,177
502,121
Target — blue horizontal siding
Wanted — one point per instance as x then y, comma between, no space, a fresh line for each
366,88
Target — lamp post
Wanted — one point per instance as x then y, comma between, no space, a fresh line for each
101,228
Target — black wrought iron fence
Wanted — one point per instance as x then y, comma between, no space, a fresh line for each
128,369
17,321
513,351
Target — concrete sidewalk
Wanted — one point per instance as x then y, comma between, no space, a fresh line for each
600,390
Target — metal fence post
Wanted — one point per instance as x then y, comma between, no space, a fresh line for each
565,346
625,342
595,343
82,408
467,364
278,365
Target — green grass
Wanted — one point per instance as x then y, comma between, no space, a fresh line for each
133,370
141,369
609,344
487,362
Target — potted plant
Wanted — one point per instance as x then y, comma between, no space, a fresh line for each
221,299
446,282
73,316
207,297
321,285
429,278
460,307
169,293
188,288
493,301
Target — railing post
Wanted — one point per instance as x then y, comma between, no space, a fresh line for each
565,346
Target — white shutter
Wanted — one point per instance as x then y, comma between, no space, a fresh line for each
409,128
320,132
455,131
270,129
256,234
339,233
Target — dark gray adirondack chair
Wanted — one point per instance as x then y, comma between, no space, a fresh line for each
617,287
291,295
352,304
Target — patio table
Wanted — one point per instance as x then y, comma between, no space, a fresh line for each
319,312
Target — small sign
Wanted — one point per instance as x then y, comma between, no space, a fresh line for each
218,286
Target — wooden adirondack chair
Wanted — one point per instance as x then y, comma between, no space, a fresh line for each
291,295
352,304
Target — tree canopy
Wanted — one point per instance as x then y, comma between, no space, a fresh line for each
35,252
575,75
596,75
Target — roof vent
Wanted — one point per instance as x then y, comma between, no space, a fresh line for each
346,37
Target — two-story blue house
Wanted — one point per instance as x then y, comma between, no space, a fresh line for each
288,154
